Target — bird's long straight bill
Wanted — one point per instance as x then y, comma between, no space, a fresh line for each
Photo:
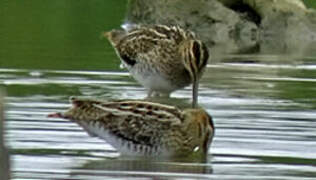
195,90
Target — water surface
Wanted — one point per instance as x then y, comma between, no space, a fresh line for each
264,116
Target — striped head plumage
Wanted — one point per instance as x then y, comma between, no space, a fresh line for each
195,57
162,58
144,128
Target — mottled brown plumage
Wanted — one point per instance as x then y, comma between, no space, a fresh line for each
161,58
144,128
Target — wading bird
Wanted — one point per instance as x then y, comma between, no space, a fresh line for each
161,58
144,128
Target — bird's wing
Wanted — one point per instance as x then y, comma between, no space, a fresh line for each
137,121
143,44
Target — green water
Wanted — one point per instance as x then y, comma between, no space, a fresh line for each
43,34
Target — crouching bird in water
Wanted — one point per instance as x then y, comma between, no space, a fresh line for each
161,58
144,128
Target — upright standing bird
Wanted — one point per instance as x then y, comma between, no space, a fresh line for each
161,58
144,128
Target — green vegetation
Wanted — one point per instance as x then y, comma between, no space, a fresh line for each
58,34
310,3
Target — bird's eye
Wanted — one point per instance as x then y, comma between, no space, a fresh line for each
196,49
200,53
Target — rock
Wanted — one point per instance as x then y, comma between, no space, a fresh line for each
234,26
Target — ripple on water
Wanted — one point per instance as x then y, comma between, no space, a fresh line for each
260,133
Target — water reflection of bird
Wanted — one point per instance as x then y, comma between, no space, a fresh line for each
147,167
144,128
161,58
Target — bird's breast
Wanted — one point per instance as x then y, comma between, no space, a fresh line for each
159,78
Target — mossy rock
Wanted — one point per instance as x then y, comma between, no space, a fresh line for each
233,26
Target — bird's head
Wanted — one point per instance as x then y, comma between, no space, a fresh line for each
200,124
195,56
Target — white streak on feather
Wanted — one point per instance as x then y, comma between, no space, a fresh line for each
116,111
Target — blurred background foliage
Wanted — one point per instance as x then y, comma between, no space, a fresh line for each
64,34
310,3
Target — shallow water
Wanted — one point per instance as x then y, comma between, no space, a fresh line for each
264,116
263,105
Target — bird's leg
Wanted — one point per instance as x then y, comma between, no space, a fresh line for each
150,93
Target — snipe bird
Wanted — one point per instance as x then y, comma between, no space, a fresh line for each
144,128
161,58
